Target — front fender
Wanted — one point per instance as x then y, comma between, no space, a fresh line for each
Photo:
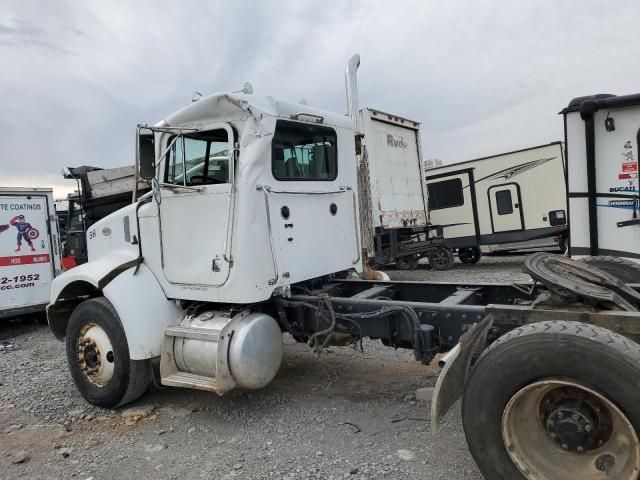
144,310
97,273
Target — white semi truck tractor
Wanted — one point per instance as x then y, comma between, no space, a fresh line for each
252,230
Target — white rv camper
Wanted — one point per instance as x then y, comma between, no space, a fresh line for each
603,135
512,197
395,224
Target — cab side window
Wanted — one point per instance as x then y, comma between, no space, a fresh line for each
199,159
301,151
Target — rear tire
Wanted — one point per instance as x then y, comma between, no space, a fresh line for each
603,362
441,259
470,255
98,356
624,270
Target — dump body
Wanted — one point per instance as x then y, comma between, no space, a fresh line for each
511,197
100,193
603,133
29,249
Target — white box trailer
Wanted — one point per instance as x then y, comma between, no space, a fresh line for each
393,145
603,134
511,197
395,208
29,249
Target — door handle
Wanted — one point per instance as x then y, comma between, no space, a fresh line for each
628,223
516,205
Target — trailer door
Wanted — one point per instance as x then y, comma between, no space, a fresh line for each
26,268
506,208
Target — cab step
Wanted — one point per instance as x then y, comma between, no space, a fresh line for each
196,334
190,380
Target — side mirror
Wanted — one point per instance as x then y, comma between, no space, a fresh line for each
146,154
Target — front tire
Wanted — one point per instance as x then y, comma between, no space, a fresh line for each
98,356
516,401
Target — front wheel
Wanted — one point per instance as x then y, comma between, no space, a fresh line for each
441,259
555,400
98,356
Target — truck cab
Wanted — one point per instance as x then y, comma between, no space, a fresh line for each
249,196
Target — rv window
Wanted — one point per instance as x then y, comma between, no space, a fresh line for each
504,202
445,194
206,158
300,151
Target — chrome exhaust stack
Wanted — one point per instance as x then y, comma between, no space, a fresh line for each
351,84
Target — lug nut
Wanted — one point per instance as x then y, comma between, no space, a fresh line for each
587,428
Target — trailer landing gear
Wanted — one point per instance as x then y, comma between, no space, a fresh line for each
535,405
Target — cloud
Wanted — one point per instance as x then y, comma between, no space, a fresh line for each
482,77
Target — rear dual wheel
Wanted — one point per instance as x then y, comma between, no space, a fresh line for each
555,401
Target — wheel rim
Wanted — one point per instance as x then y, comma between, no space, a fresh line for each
561,429
95,355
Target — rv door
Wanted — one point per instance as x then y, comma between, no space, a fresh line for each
506,207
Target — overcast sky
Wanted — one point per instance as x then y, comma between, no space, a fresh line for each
483,77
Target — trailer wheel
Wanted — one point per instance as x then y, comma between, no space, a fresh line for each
98,356
555,400
624,270
441,259
408,262
469,255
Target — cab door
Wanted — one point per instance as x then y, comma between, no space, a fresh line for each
195,208
506,207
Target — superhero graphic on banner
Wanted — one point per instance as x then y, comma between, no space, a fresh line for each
25,231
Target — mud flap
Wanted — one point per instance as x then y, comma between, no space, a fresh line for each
455,371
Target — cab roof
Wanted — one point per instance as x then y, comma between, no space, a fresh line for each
222,106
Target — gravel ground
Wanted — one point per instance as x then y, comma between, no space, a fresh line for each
345,415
